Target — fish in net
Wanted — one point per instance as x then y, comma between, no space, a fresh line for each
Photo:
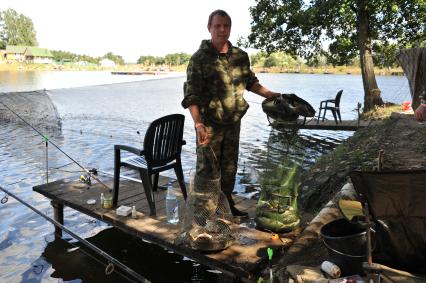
207,223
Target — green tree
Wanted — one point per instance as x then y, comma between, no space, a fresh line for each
351,27
16,29
66,56
258,58
116,58
177,59
385,54
146,60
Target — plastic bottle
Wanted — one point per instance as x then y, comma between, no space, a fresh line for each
172,206
102,199
134,213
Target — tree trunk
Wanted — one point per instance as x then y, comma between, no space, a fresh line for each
371,90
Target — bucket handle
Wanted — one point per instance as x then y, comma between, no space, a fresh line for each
340,253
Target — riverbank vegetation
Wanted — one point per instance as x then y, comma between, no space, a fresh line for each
258,67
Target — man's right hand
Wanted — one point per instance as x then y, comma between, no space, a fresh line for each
202,135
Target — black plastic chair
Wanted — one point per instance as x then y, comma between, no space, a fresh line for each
161,151
333,105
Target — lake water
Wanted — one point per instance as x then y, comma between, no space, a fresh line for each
99,110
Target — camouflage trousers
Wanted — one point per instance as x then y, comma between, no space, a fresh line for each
224,143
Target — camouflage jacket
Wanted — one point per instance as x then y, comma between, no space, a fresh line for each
216,83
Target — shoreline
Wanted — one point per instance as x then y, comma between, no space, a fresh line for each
134,68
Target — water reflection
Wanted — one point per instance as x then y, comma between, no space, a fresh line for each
60,258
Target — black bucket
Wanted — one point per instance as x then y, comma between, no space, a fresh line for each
346,244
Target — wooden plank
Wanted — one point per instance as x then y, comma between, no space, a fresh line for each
241,259
313,124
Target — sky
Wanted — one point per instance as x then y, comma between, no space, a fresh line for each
129,28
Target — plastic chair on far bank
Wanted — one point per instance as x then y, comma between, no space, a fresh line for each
333,105
161,151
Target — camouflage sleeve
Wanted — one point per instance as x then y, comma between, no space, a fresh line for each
192,88
251,80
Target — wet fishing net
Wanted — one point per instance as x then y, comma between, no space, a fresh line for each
276,209
287,108
34,107
207,223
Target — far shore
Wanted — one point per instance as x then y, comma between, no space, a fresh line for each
340,70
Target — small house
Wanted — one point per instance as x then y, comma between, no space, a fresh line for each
15,53
38,55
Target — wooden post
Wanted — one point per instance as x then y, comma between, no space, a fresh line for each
58,215
358,108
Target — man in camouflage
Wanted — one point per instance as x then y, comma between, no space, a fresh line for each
217,75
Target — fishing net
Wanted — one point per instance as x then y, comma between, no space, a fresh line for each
276,209
287,108
34,107
207,223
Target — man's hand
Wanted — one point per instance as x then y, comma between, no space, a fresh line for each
202,135
420,113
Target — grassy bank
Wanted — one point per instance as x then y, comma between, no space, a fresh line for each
75,67
340,70
136,67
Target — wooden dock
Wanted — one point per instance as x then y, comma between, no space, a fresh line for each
139,73
313,124
241,260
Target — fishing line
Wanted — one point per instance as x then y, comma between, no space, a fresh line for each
14,183
47,140
138,140
112,260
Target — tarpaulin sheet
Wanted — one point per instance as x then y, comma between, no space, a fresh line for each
397,203
413,62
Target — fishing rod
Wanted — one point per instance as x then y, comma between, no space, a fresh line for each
112,261
47,140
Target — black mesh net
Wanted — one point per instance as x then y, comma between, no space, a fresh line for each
207,223
34,107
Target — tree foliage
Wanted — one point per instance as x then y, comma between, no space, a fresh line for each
174,59
274,59
16,29
150,60
66,56
177,59
350,27
116,58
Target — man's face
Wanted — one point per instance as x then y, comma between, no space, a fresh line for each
220,29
